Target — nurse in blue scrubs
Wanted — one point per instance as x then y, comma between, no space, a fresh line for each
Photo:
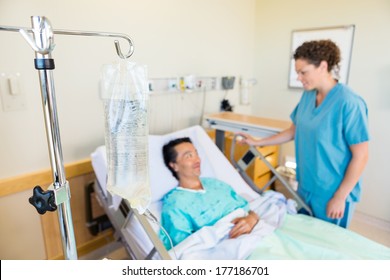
330,129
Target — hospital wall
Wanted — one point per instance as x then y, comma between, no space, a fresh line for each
369,74
173,38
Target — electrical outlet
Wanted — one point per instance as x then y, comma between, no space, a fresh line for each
12,95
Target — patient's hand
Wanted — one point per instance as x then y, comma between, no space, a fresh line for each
244,225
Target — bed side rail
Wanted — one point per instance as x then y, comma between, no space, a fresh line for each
246,160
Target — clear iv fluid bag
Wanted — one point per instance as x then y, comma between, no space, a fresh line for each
125,99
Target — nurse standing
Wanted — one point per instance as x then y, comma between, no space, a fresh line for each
330,129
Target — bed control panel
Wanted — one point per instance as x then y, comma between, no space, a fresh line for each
246,160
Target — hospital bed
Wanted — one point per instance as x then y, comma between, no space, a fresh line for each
297,237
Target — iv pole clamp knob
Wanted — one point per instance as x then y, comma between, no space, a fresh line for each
43,201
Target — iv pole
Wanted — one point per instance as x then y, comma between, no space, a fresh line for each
58,194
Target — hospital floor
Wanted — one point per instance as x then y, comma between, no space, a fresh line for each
373,229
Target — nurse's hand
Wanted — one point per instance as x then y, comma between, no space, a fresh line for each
335,208
244,225
244,138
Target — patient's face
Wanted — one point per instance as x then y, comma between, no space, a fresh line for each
187,162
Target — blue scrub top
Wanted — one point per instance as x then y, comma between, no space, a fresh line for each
186,211
323,136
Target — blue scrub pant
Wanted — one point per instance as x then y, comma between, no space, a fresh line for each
318,205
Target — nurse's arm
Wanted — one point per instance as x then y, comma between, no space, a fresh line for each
280,138
354,171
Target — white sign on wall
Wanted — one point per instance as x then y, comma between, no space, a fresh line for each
341,35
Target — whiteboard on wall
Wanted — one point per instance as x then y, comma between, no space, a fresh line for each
341,35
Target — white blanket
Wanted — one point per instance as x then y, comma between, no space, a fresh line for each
213,242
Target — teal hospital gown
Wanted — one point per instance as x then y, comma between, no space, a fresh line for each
185,211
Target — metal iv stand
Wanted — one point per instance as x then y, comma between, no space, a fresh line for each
58,194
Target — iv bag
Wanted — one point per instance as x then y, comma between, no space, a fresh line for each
124,92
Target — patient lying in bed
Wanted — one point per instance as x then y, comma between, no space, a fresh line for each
201,207
197,202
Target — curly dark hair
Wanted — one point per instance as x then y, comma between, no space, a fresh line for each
170,154
321,50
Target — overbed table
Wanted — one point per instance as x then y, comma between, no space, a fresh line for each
256,126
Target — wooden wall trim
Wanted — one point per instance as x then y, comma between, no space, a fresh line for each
42,178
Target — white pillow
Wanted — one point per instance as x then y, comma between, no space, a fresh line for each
161,178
